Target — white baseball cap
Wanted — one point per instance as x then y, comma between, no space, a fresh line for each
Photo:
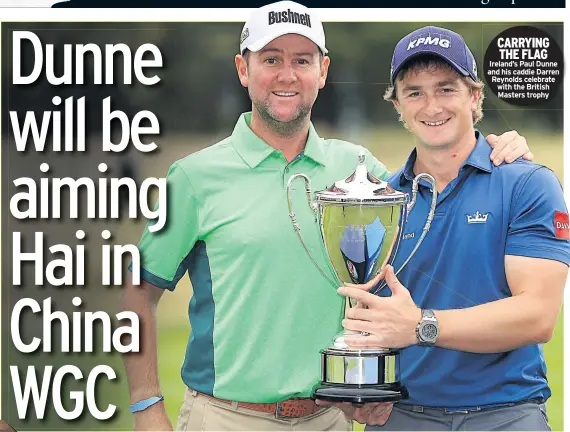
277,19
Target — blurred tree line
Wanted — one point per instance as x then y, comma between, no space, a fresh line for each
199,90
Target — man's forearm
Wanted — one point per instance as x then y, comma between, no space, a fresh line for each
498,326
142,367
528,317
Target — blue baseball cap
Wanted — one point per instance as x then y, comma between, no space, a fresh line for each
437,41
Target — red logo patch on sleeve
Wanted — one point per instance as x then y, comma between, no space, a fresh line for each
561,225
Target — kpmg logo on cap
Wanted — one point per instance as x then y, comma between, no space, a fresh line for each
430,39
289,16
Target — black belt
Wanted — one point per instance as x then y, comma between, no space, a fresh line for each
463,410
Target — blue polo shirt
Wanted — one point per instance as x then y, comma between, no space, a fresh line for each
485,213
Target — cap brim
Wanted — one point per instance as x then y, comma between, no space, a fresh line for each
260,43
455,66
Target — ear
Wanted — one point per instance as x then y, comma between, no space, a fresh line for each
324,71
241,66
396,105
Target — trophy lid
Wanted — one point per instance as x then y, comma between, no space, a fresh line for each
361,188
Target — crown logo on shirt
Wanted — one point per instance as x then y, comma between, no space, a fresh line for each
478,217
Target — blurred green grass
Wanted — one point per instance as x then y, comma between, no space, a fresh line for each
174,327
172,347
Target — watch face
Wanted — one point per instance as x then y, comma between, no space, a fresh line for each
429,332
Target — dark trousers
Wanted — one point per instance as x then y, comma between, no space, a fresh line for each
521,417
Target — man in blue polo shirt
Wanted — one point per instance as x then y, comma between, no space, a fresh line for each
484,291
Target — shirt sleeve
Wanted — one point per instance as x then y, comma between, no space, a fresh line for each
538,225
375,167
165,253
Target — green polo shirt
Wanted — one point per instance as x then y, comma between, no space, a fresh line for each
260,310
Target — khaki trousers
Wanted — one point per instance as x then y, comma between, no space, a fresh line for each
201,413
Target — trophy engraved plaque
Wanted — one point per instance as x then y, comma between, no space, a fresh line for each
361,221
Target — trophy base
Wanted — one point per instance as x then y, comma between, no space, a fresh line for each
359,375
360,395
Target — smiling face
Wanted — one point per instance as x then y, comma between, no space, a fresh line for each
436,105
283,80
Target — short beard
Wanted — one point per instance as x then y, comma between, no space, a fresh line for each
281,128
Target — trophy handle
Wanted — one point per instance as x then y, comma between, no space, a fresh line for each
431,213
427,225
314,207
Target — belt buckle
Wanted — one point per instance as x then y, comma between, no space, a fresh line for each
278,410
455,411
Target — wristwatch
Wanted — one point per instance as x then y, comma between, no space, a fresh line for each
427,329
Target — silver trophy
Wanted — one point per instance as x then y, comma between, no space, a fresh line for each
361,221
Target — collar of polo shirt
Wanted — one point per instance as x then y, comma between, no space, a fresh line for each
479,158
254,150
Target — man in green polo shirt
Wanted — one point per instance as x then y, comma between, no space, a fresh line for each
260,310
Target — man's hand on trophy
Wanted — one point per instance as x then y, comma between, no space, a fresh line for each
372,414
390,321
508,147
